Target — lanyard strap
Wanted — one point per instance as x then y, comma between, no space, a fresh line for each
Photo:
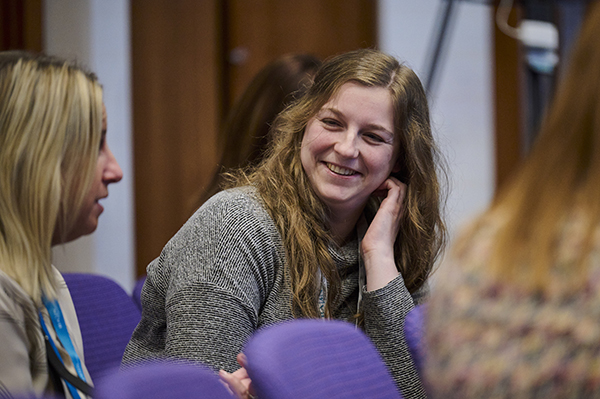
58,322
322,300
361,229
58,373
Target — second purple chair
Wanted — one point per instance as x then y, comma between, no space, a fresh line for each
107,317
317,359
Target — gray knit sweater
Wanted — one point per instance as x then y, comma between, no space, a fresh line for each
221,277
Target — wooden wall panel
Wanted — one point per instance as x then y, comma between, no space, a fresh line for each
266,29
175,75
21,25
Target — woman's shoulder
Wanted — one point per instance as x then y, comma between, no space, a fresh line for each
244,198
15,304
11,290
239,206
232,231
241,193
228,216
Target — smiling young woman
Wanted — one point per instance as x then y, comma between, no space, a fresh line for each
340,220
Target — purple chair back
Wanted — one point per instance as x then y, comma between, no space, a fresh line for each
159,380
317,359
107,317
413,331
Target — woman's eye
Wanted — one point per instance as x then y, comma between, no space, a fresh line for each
374,137
331,122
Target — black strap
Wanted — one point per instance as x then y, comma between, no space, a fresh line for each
59,368
53,374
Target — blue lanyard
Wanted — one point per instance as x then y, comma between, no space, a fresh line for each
58,321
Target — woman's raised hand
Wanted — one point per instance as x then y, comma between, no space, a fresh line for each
377,247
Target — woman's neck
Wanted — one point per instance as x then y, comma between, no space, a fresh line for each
343,226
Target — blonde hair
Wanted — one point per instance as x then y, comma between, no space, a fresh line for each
561,174
50,130
303,220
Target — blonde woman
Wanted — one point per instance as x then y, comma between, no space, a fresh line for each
341,220
515,313
55,167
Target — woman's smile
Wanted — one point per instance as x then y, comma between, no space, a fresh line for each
338,170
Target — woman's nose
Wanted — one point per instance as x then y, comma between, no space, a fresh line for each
346,145
112,172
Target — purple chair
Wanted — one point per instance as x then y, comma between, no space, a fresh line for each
413,332
107,316
160,380
137,292
317,359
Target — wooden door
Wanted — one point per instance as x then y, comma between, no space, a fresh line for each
259,31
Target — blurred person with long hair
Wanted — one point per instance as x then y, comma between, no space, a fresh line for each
515,311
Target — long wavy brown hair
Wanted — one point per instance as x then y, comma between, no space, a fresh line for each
303,220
